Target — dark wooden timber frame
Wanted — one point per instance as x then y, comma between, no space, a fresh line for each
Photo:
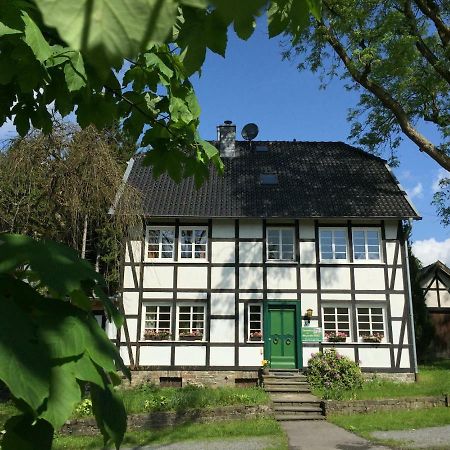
264,294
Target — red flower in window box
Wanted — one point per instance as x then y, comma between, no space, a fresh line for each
256,336
194,335
375,338
336,337
153,335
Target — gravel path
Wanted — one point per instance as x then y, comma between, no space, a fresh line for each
224,444
420,438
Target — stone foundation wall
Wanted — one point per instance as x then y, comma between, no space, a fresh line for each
365,406
400,377
158,420
211,378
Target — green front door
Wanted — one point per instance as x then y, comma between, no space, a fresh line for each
282,338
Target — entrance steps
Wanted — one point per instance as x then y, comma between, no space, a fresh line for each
291,396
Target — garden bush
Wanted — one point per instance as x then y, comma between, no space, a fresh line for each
333,375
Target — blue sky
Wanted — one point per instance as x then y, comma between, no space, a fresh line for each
253,84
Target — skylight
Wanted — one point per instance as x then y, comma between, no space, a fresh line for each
262,148
268,178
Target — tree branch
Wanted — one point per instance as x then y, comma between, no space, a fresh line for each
431,10
422,47
388,101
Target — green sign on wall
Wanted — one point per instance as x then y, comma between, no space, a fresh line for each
311,334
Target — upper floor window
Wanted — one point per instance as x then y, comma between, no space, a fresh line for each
366,244
160,242
280,244
333,243
255,315
193,243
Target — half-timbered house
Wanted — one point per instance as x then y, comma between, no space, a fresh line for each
435,282
297,247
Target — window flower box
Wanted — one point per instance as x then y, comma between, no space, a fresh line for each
374,338
153,335
255,336
194,335
336,337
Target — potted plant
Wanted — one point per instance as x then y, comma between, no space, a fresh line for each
336,337
374,338
265,364
256,336
194,335
154,335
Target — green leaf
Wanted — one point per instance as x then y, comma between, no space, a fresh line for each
195,3
24,360
109,414
24,433
315,7
84,369
35,40
65,393
106,31
74,72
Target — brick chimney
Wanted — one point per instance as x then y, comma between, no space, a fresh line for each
226,136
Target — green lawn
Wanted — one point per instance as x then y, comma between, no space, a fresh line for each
365,424
218,430
434,379
153,398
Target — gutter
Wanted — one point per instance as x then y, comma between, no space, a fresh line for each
112,209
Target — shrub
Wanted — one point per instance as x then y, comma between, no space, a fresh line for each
333,374
84,408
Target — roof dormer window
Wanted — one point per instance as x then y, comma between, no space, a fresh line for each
268,178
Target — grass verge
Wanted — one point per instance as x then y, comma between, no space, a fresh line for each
149,398
219,430
365,424
434,379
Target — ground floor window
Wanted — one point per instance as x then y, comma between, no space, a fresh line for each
157,323
336,322
191,322
255,321
371,324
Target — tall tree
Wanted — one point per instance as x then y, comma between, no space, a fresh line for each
61,186
396,53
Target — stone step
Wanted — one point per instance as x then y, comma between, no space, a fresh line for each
290,388
307,416
278,382
293,378
297,409
296,404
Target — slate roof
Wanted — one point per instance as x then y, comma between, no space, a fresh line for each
315,180
435,268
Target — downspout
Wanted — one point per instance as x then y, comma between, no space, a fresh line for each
411,315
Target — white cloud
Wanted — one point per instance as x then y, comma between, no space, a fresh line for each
440,174
430,250
405,175
416,191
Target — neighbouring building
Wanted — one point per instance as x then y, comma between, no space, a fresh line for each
435,282
297,245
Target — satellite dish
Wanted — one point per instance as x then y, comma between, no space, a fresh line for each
250,131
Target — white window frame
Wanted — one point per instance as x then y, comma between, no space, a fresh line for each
261,314
159,228
336,328
334,259
191,305
366,245
158,328
371,330
192,258
280,244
